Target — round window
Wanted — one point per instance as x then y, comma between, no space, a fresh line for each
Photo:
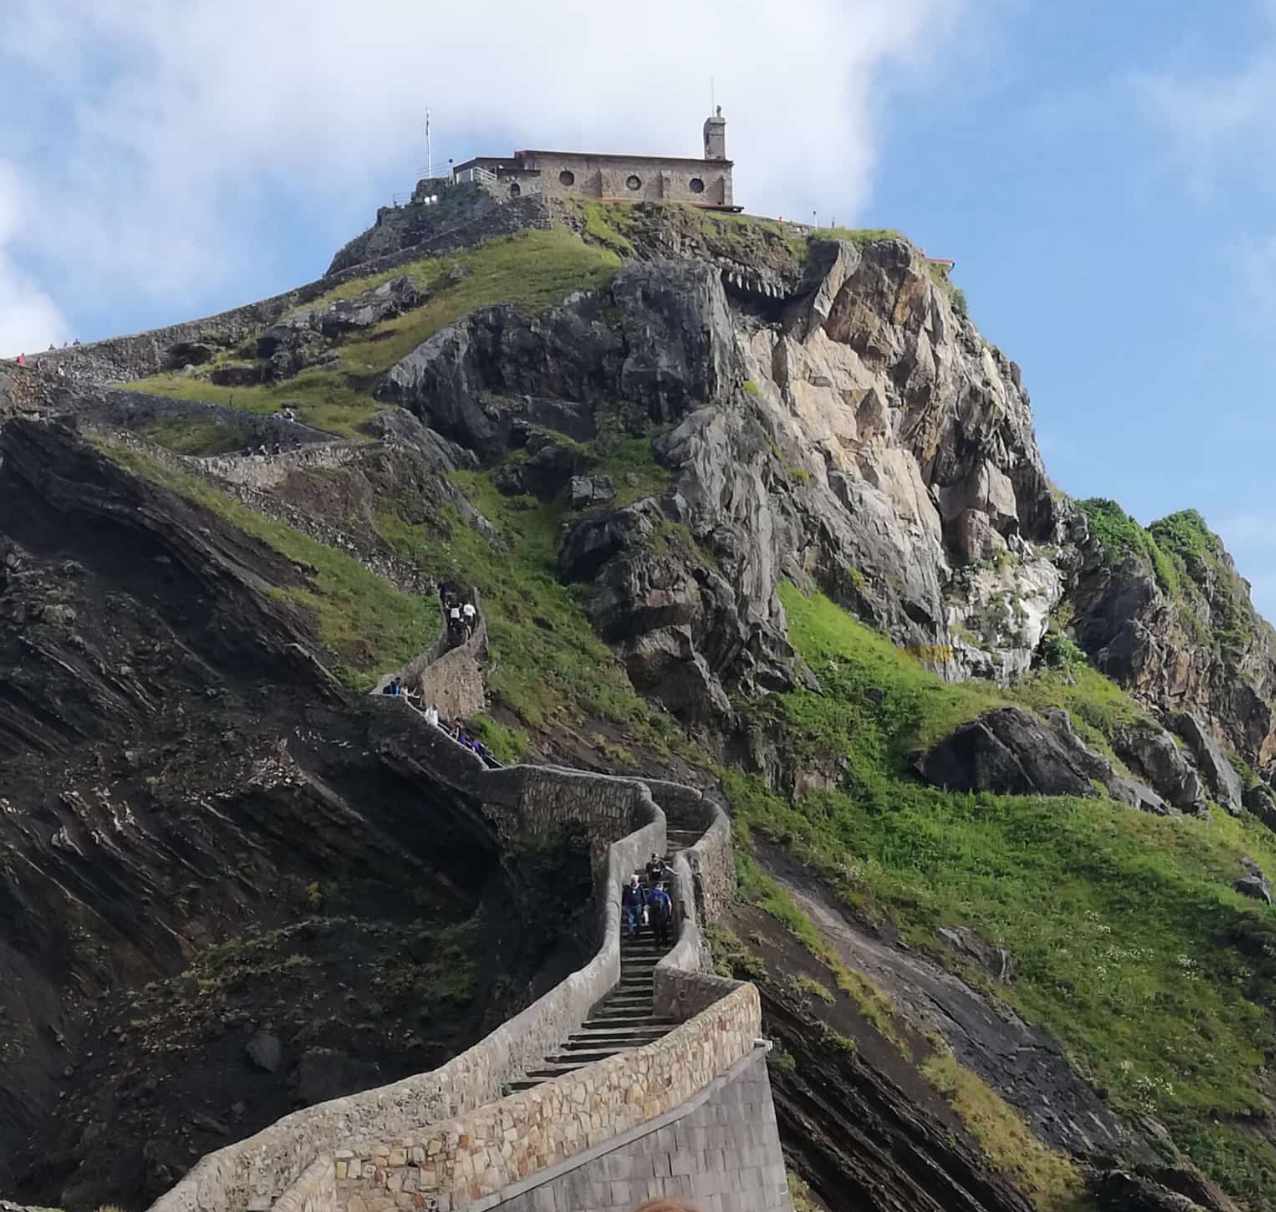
634,181
696,185
515,190
567,177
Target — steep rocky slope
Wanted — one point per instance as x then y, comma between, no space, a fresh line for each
680,455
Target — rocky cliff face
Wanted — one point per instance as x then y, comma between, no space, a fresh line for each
855,432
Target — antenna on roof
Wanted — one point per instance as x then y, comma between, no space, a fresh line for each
429,154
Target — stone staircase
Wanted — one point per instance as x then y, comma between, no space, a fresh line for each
626,1017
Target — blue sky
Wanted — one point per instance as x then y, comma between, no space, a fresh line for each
1102,173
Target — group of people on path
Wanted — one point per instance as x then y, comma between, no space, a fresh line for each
462,616
648,903
454,728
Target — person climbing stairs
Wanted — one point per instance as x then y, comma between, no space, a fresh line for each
624,1019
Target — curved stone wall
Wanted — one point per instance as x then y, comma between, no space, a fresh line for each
480,1159
253,1173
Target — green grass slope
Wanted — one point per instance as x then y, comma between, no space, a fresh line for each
531,271
1131,945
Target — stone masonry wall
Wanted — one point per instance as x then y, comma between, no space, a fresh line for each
722,1154
480,1159
711,860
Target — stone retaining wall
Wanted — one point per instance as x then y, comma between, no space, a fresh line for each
264,472
478,1160
451,678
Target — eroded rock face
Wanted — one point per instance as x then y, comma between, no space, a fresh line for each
1219,773
1150,751
860,437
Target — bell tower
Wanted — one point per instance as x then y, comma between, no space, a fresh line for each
715,136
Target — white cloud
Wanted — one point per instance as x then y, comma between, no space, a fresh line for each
1221,123
29,319
173,118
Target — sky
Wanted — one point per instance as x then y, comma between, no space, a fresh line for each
1103,173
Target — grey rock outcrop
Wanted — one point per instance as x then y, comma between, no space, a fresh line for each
1013,752
1150,751
1219,773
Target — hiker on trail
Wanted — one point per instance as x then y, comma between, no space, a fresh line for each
394,686
470,615
454,624
654,864
632,902
22,359
432,715
445,592
661,906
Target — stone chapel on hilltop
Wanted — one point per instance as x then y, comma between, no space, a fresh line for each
614,178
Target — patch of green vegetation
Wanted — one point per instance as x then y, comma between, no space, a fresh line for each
1131,945
531,271
1122,537
508,743
1050,1180
606,223
1220,594
751,388
365,621
857,235
547,664
194,435
731,958
801,1195
809,986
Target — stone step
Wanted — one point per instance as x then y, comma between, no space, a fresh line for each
585,1056
552,1069
627,1001
638,1039
624,1019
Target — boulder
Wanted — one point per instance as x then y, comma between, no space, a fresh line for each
1261,802
594,540
1219,774
1013,752
1255,886
588,492
1149,750
372,307
1009,751
265,1051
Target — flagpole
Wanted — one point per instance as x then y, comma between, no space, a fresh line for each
429,155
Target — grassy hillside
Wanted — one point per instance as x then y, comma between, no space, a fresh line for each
532,270
1130,943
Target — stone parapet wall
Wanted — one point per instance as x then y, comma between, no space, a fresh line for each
720,1152
478,1160
264,472
711,859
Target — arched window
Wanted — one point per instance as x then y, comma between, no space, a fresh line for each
696,185
567,177
515,189
634,181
